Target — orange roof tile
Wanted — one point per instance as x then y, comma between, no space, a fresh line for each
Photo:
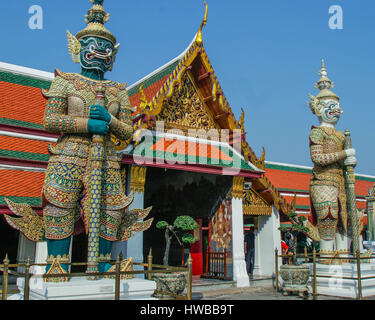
361,187
300,201
195,149
22,103
150,92
23,145
288,179
18,183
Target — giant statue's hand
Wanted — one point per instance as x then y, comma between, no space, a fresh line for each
100,113
350,161
350,153
98,127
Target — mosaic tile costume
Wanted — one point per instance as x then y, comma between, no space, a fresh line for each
329,223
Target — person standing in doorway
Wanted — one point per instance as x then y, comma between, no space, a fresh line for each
250,251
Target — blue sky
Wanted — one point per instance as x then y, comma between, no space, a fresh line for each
266,54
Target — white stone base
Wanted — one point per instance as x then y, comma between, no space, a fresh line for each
344,287
82,289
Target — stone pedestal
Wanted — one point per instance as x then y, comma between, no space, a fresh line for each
82,289
339,287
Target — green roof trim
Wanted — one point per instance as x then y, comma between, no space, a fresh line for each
32,201
302,207
19,123
154,78
306,170
24,80
292,190
285,168
24,155
361,178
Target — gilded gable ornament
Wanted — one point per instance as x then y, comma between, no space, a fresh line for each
185,108
253,204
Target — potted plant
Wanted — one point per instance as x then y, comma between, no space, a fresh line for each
295,275
180,230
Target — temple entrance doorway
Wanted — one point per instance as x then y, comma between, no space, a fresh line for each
174,193
9,238
79,251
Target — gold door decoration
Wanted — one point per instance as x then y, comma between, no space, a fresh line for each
137,179
185,109
237,191
254,205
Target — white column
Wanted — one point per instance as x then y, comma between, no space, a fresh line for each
26,249
239,264
267,240
41,253
134,246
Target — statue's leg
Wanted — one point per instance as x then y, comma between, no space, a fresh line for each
61,191
111,214
325,202
342,241
105,247
58,248
109,224
59,224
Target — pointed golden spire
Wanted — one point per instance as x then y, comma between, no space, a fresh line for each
325,84
199,38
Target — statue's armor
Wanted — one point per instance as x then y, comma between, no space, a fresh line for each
327,184
65,189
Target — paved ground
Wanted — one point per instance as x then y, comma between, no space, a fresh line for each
254,293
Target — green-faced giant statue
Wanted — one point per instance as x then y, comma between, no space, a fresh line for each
83,188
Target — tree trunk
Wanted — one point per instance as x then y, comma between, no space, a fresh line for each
167,246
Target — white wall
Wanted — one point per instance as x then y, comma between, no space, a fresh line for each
267,238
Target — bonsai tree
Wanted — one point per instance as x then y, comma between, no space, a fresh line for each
293,230
180,230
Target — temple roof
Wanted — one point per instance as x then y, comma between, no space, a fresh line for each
292,180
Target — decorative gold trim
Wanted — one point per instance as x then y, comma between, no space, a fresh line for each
254,210
137,179
126,265
237,192
186,107
202,100
254,204
199,38
57,269
62,259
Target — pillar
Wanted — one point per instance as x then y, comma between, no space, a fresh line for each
239,264
267,239
26,249
370,216
134,246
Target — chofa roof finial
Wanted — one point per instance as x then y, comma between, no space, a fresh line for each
199,38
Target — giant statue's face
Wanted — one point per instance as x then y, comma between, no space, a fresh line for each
330,111
97,53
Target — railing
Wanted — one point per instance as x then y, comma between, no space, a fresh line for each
307,257
216,265
150,269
